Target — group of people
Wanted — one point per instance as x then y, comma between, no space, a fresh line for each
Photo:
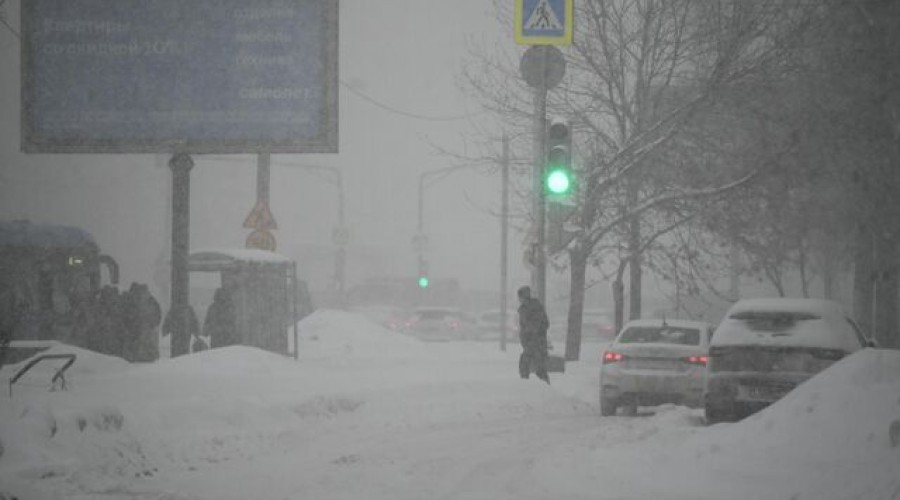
219,325
120,324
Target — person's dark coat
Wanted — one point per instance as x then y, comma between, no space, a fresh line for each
109,336
142,318
533,326
180,343
220,324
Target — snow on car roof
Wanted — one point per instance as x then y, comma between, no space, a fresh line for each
679,323
816,306
818,323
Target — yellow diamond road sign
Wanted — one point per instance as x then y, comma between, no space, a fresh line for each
544,22
261,239
260,217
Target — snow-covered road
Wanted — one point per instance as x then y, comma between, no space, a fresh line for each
371,414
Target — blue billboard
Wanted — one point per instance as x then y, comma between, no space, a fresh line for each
167,76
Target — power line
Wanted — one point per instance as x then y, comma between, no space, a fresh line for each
3,20
406,113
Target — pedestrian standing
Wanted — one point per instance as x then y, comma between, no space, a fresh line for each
533,325
109,337
142,317
180,343
220,324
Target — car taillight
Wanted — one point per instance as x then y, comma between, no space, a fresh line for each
612,357
697,360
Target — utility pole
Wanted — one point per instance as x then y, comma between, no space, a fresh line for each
504,238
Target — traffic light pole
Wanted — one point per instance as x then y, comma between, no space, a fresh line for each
542,67
539,209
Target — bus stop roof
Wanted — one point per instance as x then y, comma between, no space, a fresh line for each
211,260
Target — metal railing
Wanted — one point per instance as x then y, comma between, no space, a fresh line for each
58,376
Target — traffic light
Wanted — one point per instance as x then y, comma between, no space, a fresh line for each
559,177
559,185
423,281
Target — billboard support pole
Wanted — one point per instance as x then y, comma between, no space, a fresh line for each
181,165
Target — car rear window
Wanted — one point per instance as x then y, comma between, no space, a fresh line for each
660,335
772,321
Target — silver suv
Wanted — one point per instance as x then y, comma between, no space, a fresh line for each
766,347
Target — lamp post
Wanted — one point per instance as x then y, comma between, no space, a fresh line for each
341,234
420,239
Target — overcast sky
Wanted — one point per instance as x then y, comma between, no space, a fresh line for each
403,54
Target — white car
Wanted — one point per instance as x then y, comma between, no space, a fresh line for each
390,317
766,347
653,362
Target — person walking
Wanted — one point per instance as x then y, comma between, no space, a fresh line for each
533,325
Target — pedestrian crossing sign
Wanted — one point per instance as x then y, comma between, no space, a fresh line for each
544,22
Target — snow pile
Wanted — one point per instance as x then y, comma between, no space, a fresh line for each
830,438
841,419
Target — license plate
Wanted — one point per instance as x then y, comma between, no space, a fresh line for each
653,364
762,392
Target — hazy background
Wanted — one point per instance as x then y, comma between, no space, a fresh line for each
404,54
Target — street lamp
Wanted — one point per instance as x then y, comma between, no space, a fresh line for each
420,240
340,235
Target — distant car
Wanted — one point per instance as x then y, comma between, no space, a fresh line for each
390,317
439,324
766,347
488,325
596,324
653,362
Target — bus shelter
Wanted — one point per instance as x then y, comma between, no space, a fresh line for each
263,287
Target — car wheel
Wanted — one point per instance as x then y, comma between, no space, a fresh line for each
607,406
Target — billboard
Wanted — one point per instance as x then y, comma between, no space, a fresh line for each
169,76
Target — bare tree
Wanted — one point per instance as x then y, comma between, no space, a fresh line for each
638,72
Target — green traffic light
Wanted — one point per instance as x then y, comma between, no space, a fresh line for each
423,282
559,181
